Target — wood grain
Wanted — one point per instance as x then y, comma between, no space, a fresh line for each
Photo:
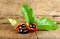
8,32
41,8
57,19
54,34
5,20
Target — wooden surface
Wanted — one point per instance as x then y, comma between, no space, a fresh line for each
54,34
11,9
8,32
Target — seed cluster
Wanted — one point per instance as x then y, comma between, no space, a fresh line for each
23,28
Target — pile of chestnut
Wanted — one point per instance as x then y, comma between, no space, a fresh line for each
23,28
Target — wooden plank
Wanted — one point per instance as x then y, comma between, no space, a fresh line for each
11,16
54,34
43,7
5,20
46,7
40,16
57,19
8,32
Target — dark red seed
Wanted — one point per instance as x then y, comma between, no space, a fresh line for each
32,26
22,31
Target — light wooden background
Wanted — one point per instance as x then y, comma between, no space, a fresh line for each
11,9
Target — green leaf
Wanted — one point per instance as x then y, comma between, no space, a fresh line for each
27,12
13,22
46,24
